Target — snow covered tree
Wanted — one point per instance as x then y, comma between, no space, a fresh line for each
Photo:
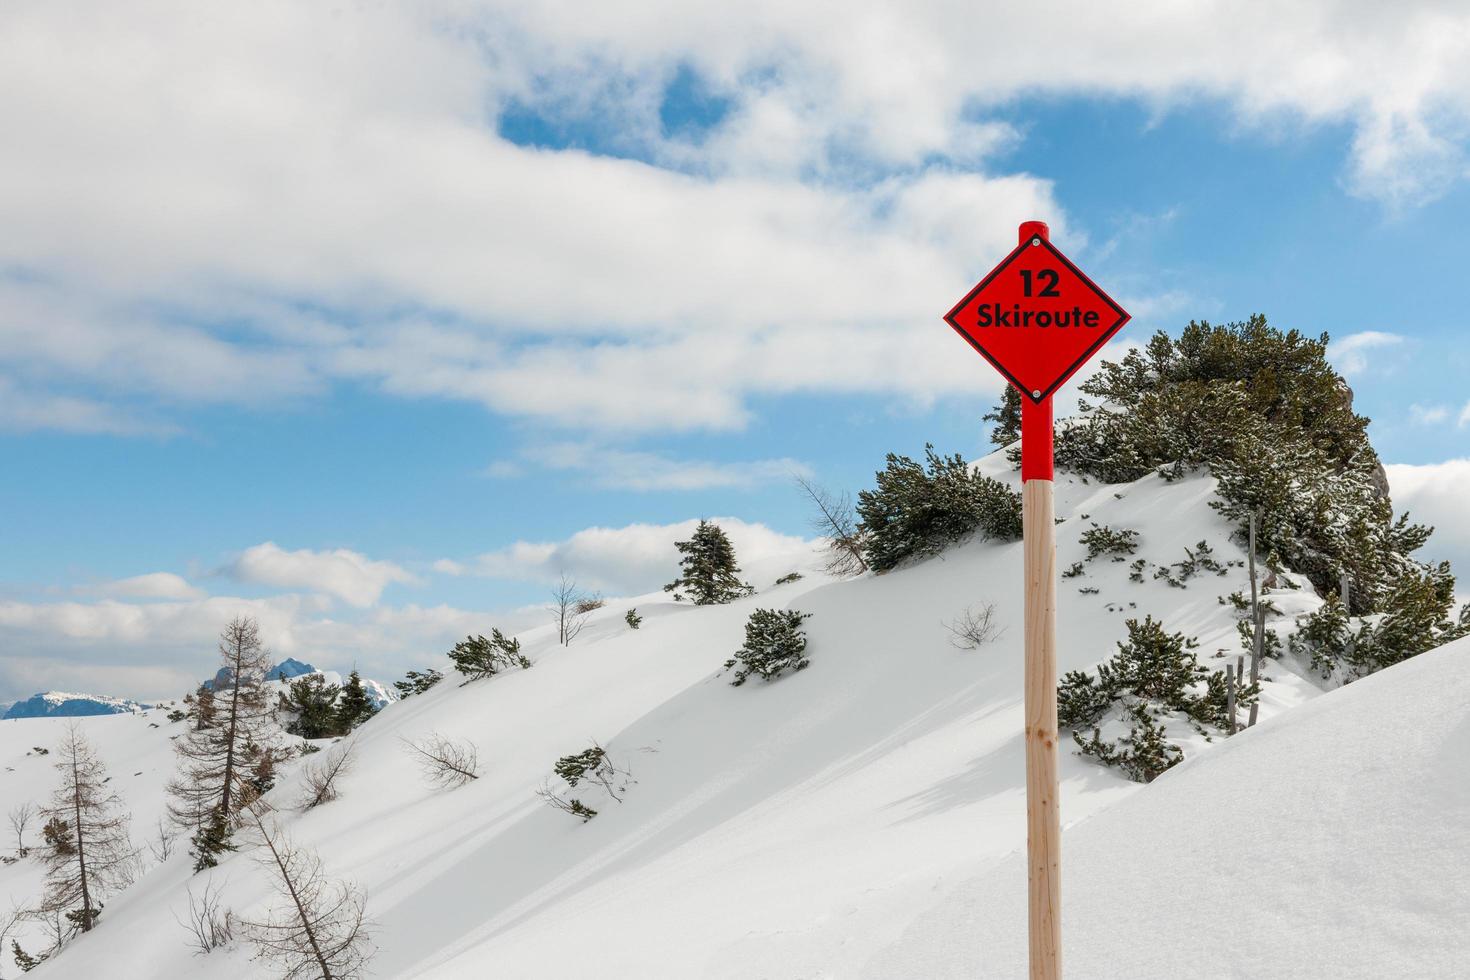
215,779
632,618
317,929
355,706
98,858
1006,417
477,657
1144,754
709,572
314,703
918,510
774,642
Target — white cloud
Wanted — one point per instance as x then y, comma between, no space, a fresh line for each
1428,414
1464,418
349,576
328,160
1351,353
628,470
163,648
30,410
1434,493
637,558
154,585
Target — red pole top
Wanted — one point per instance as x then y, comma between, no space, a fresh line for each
1036,421
1035,229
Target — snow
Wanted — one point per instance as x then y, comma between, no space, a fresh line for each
63,704
860,818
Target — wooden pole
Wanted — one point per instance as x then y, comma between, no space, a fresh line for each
1043,815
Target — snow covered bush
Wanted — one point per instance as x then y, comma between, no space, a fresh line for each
709,573
477,657
774,642
1106,541
918,510
632,618
1153,677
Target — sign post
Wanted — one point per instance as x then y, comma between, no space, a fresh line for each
1037,318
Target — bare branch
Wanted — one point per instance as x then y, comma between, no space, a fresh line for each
835,521
209,924
447,764
974,627
320,778
572,606
20,818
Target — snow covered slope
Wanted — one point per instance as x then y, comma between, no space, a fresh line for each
812,827
1333,841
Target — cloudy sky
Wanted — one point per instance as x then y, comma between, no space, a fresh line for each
369,318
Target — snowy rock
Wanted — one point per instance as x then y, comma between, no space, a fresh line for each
60,704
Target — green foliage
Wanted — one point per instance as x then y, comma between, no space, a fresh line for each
1007,418
477,657
177,715
354,707
774,642
314,703
1268,415
1153,674
25,960
918,510
789,577
1144,753
212,840
579,809
709,572
573,768
632,618
1073,571
1105,541
1326,636
416,682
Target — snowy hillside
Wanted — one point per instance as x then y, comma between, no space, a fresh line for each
835,822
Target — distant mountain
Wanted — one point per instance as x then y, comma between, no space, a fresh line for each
60,704
291,669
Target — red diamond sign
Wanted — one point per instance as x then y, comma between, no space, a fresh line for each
1036,317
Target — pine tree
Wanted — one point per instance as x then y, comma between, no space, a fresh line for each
709,572
314,702
417,682
1007,418
477,657
774,643
919,510
355,707
214,779
96,857
632,618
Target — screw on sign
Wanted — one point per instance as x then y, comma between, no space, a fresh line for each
1037,318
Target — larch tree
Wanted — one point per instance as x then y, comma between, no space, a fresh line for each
218,772
91,855
709,572
317,929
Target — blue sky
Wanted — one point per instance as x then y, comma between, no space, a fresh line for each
364,360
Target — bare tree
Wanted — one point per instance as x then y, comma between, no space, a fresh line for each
209,923
974,627
834,520
93,855
317,930
20,818
216,775
320,778
446,763
161,845
571,607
